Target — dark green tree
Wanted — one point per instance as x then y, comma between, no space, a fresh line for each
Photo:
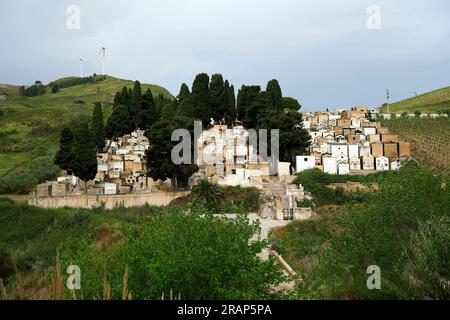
230,104
85,153
185,107
119,123
274,95
294,139
217,97
147,114
169,111
65,154
98,127
256,108
122,97
55,88
246,96
136,102
291,103
200,99
184,92
159,161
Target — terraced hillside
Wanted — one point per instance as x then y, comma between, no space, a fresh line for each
430,138
30,126
432,102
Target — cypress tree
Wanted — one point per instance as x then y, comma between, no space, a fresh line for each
184,92
119,123
246,96
122,98
274,95
64,156
217,97
85,153
98,127
230,104
200,99
256,108
147,114
136,102
185,107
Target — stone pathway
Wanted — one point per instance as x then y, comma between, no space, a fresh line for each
266,226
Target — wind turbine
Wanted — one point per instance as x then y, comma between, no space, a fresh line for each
81,66
103,53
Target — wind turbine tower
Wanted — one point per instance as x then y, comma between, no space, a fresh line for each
103,53
81,66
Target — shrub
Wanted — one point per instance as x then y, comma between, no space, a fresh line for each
403,229
195,255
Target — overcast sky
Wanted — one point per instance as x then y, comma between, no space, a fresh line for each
322,52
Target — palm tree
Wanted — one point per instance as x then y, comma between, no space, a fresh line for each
207,193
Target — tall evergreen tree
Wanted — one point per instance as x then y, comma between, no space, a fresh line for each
65,154
217,97
246,96
136,102
169,111
122,97
184,92
119,123
85,153
230,104
255,109
185,107
98,127
159,153
275,97
294,139
200,99
147,114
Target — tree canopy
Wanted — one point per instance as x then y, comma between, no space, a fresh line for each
85,153
98,127
64,156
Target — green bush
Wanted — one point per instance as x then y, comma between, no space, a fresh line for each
38,170
403,229
225,199
195,255
316,182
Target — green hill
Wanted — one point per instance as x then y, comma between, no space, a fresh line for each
9,90
30,126
434,101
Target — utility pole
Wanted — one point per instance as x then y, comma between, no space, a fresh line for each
388,96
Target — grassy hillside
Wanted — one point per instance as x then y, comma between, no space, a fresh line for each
434,101
30,126
9,90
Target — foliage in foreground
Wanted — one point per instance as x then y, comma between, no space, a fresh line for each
404,229
192,254
196,255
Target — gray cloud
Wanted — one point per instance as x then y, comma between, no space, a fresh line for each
321,51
